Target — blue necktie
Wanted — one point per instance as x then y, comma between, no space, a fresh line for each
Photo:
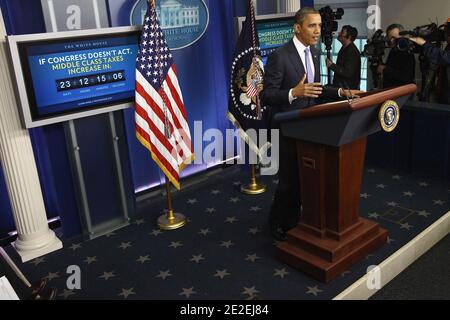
308,65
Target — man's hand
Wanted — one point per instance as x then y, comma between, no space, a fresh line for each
381,68
350,94
328,62
420,41
308,90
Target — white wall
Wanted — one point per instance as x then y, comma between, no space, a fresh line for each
412,13
354,13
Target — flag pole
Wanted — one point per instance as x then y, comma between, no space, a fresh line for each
171,220
254,187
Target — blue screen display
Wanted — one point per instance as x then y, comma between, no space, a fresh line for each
81,74
273,33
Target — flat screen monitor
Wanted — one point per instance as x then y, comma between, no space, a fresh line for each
273,31
68,75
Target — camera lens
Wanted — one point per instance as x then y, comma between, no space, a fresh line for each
402,44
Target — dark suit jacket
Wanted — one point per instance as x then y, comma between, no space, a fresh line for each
283,71
400,69
441,57
347,70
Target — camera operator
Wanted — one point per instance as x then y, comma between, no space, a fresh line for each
347,70
400,66
440,57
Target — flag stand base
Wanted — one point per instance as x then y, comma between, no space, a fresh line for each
171,221
253,187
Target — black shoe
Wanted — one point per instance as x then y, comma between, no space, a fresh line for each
278,233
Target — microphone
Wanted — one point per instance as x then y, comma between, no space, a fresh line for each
346,86
406,33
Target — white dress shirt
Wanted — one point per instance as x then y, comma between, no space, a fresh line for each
301,52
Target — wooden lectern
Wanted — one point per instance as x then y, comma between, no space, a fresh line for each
331,145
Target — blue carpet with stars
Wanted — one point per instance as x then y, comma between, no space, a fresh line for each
225,252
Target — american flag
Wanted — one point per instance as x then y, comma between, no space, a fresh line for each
251,90
161,121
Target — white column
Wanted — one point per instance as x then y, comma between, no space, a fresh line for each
16,155
292,5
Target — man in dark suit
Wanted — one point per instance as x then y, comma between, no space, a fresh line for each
292,81
347,70
400,67
442,58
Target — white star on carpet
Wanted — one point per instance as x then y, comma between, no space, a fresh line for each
424,213
255,208
215,192
381,186
364,195
237,183
164,274
38,261
406,226
107,275
231,219
371,171
374,215
210,210
89,260
252,257
197,258
143,259
313,290
127,292
250,291
438,202
125,245
396,177
155,232
424,184
234,200
227,244
139,222
75,246
175,244
392,204
187,292
204,232
192,201
222,273
52,275
408,194
280,273
253,231
66,293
